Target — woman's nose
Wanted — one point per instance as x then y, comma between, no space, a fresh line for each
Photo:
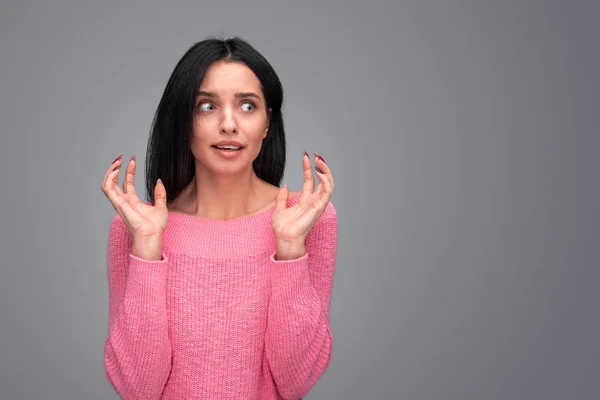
228,124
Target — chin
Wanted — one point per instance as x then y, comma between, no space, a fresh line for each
230,169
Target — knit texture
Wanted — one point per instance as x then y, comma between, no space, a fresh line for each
218,317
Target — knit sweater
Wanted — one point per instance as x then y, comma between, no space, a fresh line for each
219,317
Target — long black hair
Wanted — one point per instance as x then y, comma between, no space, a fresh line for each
168,154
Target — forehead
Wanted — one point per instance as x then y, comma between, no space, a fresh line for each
224,76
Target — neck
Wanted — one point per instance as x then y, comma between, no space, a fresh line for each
225,196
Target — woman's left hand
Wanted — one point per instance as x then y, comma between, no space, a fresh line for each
292,225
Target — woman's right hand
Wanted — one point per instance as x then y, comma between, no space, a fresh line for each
145,222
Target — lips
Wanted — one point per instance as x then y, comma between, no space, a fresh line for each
222,149
228,143
228,154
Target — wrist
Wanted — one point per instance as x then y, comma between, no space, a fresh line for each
289,251
148,248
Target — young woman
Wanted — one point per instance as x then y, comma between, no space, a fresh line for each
220,285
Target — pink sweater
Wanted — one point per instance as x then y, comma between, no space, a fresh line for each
218,317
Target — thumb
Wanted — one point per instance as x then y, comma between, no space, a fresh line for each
160,194
282,198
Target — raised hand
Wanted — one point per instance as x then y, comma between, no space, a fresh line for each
143,221
292,225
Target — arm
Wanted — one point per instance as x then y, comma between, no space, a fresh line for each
137,352
298,341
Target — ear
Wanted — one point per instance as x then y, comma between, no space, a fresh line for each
268,122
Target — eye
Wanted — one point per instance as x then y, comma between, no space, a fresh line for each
205,106
248,106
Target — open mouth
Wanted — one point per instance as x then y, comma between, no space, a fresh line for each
227,149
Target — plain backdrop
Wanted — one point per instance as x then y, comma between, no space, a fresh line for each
463,136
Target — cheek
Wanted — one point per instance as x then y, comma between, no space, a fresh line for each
253,128
205,126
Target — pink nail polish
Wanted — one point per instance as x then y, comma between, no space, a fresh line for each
306,154
118,158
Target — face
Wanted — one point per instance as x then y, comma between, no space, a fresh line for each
230,106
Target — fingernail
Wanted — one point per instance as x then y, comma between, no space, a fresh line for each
132,158
306,154
319,157
117,159
117,167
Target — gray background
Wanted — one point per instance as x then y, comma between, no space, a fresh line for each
463,136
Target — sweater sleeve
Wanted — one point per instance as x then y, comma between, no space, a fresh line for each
137,351
298,340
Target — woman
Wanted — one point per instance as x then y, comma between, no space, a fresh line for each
230,298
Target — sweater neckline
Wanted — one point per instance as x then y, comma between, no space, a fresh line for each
191,236
242,220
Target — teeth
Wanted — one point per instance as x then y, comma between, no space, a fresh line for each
229,147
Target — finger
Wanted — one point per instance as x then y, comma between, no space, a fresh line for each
128,211
160,194
324,168
319,204
111,168
325,183
316,194
282,198
310,216
114,194
324,180
324,190
128,182
112,190
309,181
318,191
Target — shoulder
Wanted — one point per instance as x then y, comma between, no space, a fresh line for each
330,212
323,236
117,222
118,230
119,241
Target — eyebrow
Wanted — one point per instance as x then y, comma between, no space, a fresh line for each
238,94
